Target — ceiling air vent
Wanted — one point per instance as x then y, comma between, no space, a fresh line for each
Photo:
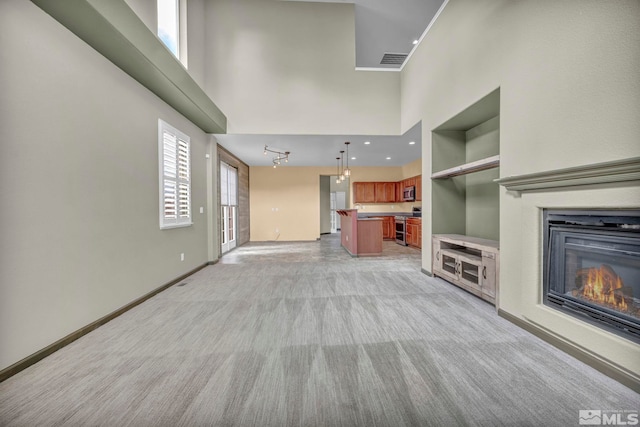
394,58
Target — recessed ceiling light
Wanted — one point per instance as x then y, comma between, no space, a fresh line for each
415,41
412,143
388,158
353,158
367,142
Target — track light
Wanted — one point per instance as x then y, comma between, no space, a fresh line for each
279,155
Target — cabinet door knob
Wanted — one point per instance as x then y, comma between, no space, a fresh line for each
438,255
484,272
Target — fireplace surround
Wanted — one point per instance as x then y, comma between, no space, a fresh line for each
591,267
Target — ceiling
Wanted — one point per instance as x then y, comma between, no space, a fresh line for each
322,150
381,26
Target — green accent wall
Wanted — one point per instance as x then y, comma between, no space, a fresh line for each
482,193
448,195
467,204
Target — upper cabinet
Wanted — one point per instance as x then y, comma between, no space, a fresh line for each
385,192
364,192
410,182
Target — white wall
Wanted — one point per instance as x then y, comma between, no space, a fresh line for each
147,12
192,25
569,89
325,205
288,67
79,186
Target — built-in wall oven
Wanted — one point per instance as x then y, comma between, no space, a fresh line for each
401,230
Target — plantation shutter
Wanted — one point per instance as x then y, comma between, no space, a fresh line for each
175,187
184,185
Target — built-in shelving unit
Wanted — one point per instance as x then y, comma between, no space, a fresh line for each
476,166
465,161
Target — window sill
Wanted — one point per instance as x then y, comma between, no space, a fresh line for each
169,227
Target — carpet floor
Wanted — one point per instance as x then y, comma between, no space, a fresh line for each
302,334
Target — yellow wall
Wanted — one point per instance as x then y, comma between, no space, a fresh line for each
285,202
412,169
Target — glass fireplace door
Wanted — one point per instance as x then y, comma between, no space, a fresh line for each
597,274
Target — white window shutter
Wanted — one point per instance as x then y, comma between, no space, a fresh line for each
175,176
170,208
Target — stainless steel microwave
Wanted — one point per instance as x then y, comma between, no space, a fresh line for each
409,194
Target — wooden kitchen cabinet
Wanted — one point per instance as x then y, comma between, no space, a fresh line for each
414,232
364,192
385,192
388,228
468,262
410,182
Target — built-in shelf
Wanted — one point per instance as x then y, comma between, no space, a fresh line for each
478,165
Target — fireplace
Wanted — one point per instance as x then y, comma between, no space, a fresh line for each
592,267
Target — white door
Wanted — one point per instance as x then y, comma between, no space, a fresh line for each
228,207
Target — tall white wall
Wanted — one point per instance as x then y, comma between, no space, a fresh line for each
193,27
325,204
288,67
79,186
569,96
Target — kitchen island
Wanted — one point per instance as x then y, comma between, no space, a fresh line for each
360,236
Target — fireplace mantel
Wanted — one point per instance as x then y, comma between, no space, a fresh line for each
597,173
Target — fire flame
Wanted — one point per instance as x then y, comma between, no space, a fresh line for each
600,285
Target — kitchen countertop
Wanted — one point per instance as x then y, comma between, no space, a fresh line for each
378,214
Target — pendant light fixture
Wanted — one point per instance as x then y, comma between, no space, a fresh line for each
347,172
338,170
342,177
